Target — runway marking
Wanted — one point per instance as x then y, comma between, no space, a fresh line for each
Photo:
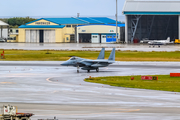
7,83
55,91
131,110
48,80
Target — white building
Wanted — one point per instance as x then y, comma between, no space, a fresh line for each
4,28
99,33
151,19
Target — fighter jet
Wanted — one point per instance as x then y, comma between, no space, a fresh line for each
87,64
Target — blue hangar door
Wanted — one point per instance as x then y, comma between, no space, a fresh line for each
111,38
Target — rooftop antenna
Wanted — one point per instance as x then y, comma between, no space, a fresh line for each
78,14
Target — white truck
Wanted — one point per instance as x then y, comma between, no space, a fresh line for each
10,113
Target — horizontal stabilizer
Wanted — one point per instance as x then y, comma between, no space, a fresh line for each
112,55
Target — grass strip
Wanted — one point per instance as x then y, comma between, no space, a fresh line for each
164,82
56,55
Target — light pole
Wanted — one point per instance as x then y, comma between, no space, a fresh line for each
116,21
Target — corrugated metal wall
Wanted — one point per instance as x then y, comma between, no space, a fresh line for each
32,36
4,32
49,36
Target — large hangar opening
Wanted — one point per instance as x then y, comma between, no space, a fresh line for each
103,33
152,27
40,36
84,38
152,20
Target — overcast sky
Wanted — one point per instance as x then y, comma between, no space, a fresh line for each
60,8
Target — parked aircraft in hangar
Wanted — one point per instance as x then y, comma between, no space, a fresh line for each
159,42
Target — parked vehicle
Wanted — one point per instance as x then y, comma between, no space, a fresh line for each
177,41
2,40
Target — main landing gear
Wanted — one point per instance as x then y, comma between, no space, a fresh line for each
77,69
97,70
154,46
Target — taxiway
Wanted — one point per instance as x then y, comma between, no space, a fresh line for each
87,46
48,89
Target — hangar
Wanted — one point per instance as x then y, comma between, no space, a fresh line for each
4,28
51,30
153,20
99,33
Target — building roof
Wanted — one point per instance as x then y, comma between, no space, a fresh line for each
3,23
98,20
105,20
151,7
119,25
65,21
90,20
79,20
42,26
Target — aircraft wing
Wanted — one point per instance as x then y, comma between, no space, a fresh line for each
84,63
95,63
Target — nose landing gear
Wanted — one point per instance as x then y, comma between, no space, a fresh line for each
77,69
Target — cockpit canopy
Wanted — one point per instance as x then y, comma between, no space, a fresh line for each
73,58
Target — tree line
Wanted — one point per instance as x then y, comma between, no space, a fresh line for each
17,21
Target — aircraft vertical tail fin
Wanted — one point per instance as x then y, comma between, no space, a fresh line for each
112,55
101,54
168,39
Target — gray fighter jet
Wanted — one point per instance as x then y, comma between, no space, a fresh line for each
87,64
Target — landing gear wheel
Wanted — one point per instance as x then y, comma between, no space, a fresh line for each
77,69
88,71
97,70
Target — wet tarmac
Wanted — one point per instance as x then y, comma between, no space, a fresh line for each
47,90
87,46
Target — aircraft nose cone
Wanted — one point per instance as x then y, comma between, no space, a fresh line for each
64,64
